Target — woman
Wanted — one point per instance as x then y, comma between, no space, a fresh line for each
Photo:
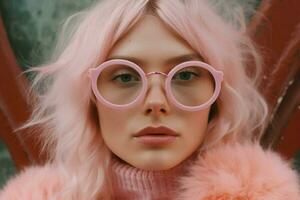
151,100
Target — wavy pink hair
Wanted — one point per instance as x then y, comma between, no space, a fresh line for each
65,105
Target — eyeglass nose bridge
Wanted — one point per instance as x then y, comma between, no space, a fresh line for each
156,73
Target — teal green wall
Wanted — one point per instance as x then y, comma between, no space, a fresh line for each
7,168
32,25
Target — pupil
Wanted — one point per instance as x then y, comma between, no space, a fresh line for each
185,75
126,78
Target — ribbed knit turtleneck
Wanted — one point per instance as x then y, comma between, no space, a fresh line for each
137,184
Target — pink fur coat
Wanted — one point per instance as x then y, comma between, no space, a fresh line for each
228,172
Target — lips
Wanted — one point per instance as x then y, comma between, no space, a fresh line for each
156,136
156,131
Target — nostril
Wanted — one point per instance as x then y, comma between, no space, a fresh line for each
161,110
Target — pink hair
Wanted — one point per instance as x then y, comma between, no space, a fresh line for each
65,106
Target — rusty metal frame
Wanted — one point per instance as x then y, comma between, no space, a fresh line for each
14,108
276,30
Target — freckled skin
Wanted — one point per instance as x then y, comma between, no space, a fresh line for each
153,46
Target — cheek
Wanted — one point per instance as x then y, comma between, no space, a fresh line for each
112,122
196,120
196,125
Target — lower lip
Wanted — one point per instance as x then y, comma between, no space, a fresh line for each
156,139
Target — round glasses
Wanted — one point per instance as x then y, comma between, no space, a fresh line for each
191,85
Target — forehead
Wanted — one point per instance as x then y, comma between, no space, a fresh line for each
152,42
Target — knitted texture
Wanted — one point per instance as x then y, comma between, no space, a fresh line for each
136,184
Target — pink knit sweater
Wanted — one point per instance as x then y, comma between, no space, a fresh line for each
228,172
134,184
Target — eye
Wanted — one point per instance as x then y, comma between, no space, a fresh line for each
125,78
185,75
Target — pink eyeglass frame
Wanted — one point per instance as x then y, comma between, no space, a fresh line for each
217,75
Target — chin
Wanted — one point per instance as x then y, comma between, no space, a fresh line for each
154,166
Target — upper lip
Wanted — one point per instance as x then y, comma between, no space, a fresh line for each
156,131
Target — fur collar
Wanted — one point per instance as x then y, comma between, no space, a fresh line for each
226,172
241,172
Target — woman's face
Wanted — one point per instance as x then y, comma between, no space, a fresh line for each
154,46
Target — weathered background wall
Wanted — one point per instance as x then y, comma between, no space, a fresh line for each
32,25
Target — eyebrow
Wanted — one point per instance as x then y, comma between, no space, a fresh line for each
177,59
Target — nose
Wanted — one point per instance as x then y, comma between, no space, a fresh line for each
156,102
